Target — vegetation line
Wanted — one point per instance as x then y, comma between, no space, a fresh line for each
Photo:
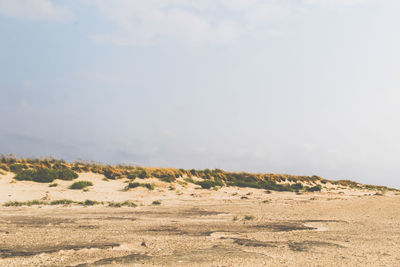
46,170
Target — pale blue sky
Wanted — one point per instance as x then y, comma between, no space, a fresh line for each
302,87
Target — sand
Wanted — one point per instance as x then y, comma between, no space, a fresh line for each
195,227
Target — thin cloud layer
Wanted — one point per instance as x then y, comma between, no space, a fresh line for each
142,22
46,10
207,21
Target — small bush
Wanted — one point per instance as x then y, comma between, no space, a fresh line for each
156,202
134,185
89,202
137,173
168,179
26,203
15,168
149,186
112,174
115,204
80,185
39,175
53,185
249,217
62,202
126,203
314,188
45,175
207,184
66,174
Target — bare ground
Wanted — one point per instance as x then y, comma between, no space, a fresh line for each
209,229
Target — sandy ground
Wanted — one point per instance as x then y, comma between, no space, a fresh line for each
192,227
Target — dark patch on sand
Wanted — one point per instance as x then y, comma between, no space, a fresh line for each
35,221
18,252
284,227
305,246
131,258
254,243
324,221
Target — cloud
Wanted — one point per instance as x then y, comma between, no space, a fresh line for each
34,10
335,3
196,22
206,21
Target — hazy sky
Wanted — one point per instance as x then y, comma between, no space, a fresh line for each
288,86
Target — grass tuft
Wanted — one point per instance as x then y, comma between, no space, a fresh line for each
249,217
80,185
134,185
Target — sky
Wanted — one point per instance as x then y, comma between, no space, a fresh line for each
301,87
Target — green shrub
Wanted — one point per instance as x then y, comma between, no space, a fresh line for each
168,179
115,204
156,202
149,186
26,203
15,168
62,202
80,185
89,202
45,175
38,175
314,188
134,185
207,184
126,203
53,185
66,174
112,174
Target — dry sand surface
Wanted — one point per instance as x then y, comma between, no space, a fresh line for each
194,227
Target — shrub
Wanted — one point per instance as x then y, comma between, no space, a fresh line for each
137,173
66,174
207,184
314,188
80,185
134,185
26,203
156,202
111,174
45,175
17,167
53,185
4,167
39,175
89,202
62,202
249,217
126,203
168,179
115,204
149,186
